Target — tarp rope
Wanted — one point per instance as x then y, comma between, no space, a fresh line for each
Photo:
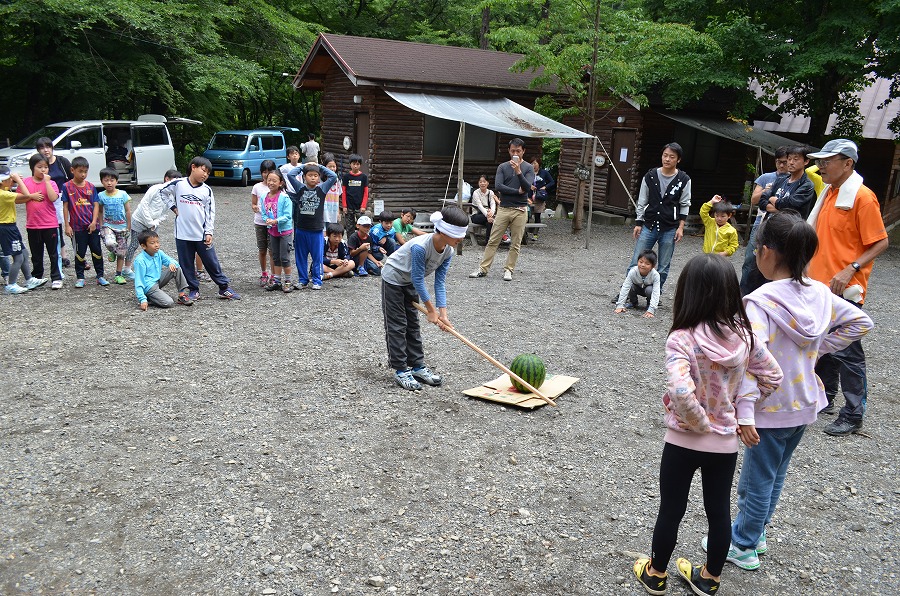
452,165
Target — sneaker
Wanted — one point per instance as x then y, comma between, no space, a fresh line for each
101,281
184,299
762,547
119,279
79,283
129,275
692,574
425,375
287,288
66,263
56,285
300,286
111,257
87,265
843,427
35,282
653,584
361,272
264,280
203,276
507,275
194,295
317,286
478,273
273,285
505,239
747,559
4,280
534,237
15,289
229,294
406,380
829,408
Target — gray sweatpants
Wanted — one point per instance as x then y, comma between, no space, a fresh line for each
155,295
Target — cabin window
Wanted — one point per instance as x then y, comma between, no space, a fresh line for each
701,149
441,135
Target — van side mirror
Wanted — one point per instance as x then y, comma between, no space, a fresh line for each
254,147
76,145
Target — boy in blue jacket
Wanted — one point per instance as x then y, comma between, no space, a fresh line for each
153,269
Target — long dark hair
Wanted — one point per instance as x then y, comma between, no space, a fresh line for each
708,292
794,241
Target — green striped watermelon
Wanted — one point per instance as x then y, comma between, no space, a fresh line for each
531,369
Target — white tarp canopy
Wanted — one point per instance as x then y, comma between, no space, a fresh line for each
497,114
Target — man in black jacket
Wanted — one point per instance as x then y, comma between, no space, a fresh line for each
793,190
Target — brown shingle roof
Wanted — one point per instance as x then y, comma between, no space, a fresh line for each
381,61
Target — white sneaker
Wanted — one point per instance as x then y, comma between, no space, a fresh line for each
15,289
56,285
35,282
478,273
507,275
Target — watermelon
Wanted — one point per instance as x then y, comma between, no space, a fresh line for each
531,369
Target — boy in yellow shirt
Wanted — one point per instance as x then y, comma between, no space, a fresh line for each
720,236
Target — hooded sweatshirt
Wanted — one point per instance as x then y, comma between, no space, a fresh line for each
705,375
797,323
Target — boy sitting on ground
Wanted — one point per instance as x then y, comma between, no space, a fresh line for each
720,236
153,269
642,280
383,236
403,226
360,245
336,261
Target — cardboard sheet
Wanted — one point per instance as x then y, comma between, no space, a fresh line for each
501,390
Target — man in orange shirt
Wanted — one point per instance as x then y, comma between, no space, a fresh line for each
851,234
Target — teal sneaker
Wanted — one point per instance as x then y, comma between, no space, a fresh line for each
762,547
79,283
744,558
101,281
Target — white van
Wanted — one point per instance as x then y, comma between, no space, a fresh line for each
141,150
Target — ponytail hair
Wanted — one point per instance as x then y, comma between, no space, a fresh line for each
794,241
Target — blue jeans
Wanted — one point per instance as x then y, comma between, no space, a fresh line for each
847,369
762,478
646,241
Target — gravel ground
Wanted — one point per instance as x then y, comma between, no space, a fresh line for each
259,447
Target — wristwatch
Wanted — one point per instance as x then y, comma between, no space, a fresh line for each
855,265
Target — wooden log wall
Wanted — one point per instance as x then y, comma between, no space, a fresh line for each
890,211
399,173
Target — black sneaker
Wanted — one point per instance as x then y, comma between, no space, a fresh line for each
702,586
828,409
843,427
653,584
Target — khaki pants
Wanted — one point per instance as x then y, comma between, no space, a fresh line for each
515,220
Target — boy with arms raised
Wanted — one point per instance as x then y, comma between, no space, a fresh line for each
719,236
81,213
308,198
153,269
195,216
403,284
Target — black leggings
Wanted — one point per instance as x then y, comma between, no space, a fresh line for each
676,470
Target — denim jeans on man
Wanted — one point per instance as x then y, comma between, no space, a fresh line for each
648,238
762,478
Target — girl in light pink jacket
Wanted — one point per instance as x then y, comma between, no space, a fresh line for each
710,358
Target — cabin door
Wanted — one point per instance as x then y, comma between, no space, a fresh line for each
361,141
622,158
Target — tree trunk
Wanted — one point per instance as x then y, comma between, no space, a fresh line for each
485,28
545,15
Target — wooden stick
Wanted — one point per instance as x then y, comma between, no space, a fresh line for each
493,360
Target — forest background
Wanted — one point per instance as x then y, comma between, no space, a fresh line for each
229,63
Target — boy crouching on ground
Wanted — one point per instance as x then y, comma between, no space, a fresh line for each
642,280
403,283
153,269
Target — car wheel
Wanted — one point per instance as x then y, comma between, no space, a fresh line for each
245,178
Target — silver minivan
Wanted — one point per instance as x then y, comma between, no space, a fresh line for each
140,150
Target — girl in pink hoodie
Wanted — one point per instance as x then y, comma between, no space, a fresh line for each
710,356
798,319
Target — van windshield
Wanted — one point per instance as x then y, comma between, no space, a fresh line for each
48,131
228,142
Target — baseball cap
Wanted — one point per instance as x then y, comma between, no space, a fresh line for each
4,173
365,220
835,147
